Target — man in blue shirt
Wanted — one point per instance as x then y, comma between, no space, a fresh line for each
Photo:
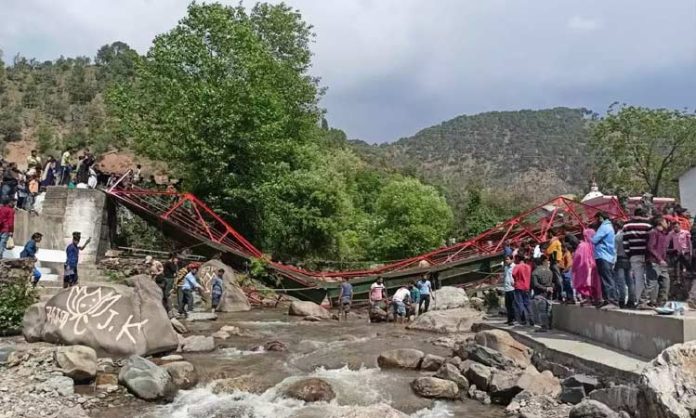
190,283
29,251
425,287
72,254
605,255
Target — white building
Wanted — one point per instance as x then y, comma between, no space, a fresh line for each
687,189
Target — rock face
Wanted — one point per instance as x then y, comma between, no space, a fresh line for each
432,387
503,387
183,374
77,362
503,342
573,394
479,375
669,382
432,362
446,321
450,372
592,409
405,358
198,343
311,390
115,319
450,297
146,380
302,308
543,383
233,297
619,398
588,383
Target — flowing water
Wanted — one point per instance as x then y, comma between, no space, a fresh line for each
343,354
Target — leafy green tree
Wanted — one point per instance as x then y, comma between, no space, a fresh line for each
638,149
46,138
411,218
10,125
116,63
226,98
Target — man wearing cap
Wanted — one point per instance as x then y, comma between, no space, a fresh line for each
156,271
188,286
72,253
6,222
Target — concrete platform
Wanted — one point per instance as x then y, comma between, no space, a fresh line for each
575,352
642,333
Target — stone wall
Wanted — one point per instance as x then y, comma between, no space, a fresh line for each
65,211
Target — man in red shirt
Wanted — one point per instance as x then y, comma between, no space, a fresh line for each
522,276
6,222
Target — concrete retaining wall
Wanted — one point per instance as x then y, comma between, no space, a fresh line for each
65,211
642,334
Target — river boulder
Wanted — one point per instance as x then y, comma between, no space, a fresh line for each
404,358
450,372
115,319
446,321
432,362
311,390
669,382
449,297
184,375
306,308
478,374
592,409
146,380
233,297
619,398
198,343
433,387
77,362
503,343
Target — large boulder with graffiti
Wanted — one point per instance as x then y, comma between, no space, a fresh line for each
233,297
113,319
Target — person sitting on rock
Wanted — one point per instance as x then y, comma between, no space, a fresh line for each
217,286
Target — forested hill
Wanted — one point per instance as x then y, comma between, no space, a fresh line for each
512,158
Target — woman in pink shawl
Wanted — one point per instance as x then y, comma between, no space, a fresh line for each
585,278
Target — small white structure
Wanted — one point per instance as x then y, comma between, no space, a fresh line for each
687,189
593,194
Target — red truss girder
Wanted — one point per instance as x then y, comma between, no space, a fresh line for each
187,212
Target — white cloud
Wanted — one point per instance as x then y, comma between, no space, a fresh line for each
395,66
584,24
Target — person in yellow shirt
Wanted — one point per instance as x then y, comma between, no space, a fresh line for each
555,253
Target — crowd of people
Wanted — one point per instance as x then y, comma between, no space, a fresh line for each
615,265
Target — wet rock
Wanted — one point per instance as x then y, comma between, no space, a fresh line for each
275,346
77,362
432,362
304,308
484,355
669,382
198,343
146,380
503,386
311,319
233,330
178,326
618,398
5,353
592,409
171,358
447,321
573,394
200,316
233,297
405,358
455,360
311,390
380,410
588,383
378,314
450,297
110,318
479,375
221,335
503,343
308,346
450,372
432,387
184,375
244,383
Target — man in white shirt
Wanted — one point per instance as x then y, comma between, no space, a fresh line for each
399,300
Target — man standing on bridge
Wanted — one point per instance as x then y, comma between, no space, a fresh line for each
72,254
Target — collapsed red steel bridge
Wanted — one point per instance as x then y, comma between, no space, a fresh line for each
188,219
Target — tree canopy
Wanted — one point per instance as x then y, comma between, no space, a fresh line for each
638,149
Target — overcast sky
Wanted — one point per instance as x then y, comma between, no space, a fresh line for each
393,67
